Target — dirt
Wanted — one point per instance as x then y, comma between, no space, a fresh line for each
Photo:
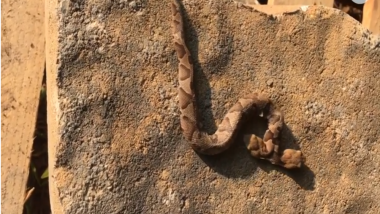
116,144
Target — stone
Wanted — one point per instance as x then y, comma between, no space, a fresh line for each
325,69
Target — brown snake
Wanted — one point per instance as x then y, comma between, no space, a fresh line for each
251,104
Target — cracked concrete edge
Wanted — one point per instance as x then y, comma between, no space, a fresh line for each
52,24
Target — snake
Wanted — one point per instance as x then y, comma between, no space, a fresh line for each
249,105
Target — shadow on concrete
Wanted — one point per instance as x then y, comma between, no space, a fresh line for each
236,161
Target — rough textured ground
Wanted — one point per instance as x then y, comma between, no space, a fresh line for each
115,143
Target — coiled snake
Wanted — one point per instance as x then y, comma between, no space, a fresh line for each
254,103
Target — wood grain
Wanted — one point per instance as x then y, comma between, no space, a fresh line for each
371,16
328,3
22,65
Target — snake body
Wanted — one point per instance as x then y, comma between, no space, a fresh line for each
247,106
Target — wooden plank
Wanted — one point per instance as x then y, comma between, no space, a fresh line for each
329,3
371,16
275,9
22,65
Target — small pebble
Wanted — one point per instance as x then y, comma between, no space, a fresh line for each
270,83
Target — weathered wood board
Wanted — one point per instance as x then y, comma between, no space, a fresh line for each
22,66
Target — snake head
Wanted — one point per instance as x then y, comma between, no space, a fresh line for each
292,159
